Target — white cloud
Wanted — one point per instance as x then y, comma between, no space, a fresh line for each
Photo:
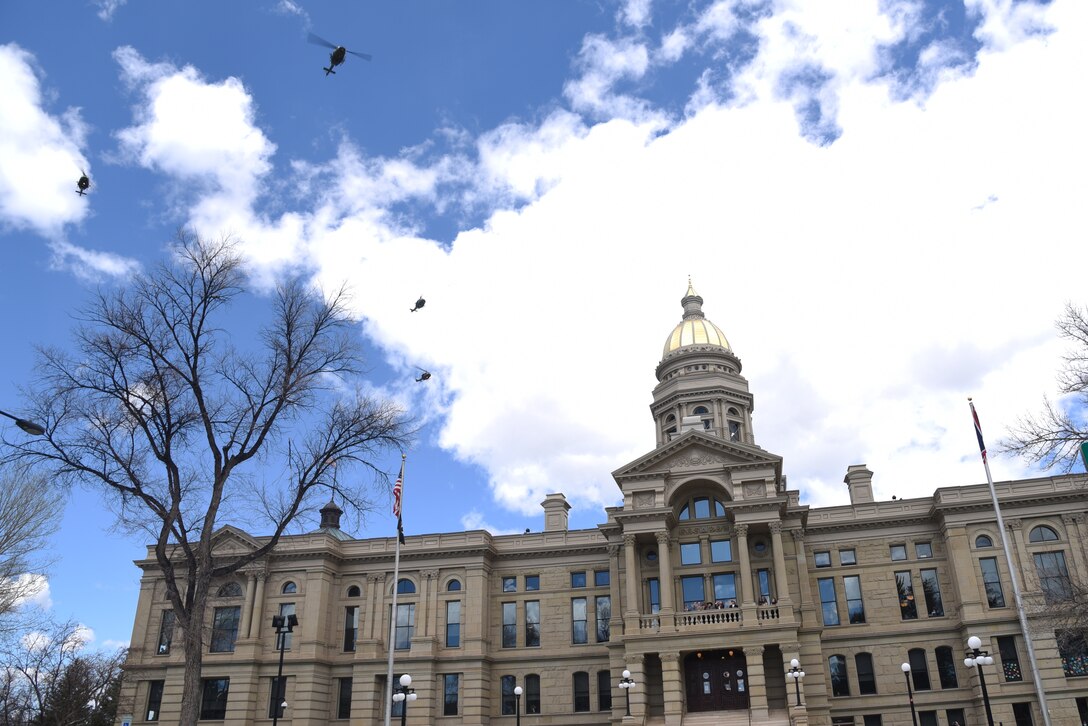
475,520
40,153
91,264
860,282
106,8
636,13
34,591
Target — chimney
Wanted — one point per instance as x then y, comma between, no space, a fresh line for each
859,480
555,512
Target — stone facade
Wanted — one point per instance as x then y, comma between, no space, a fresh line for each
707,581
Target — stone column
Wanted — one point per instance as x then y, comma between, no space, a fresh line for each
258,606
429,600
668,588
631,608
614,593
964,574
757,682
672,689
1077,572
1021,560
375,587
247,607
637,665
745,566
781,584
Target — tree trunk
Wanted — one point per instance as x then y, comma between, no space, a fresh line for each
193,641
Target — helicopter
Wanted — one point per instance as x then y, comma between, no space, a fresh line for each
83,184
419,304
423,376
339,53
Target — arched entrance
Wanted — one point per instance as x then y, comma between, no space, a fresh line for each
716,680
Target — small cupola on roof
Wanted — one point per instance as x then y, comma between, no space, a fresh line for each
694,328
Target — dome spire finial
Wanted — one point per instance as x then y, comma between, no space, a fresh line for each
691,290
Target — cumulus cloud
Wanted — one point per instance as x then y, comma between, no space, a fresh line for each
834,230
40,152
33,591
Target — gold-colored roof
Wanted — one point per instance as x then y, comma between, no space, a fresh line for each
694,329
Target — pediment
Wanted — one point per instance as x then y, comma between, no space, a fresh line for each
229,540
694,451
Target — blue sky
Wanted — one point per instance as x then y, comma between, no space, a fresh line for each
880,204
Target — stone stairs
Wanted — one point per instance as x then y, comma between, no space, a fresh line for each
732,718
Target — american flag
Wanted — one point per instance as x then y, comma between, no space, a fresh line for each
397,488
978,429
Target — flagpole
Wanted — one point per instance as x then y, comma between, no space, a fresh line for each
398,503
1020,612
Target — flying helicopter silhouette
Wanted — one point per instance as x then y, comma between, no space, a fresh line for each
83,184
419,304
423,376
338,55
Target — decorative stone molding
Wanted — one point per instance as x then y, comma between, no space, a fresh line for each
628,540
663,539
694,459
375,578
613,550
753,490
741,530
1013,524
669,657
798,535
429,574
776,527
644,500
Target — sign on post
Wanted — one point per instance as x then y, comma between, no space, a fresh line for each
1084,454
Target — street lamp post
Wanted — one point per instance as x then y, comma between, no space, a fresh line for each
976,658
283,624
404,694
796,674
517,704
28,426
910,694
627,683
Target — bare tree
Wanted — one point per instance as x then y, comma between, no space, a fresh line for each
178,421
1053,436
29,514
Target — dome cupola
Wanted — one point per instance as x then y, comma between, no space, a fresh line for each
694,328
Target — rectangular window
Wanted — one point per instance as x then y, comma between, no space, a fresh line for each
1010,660
919,669
955,717
532,694
507,703
932,590
343,698
848,557
224,629
908,608
453,624
166,632
601,578
509,584
450,685
509,625
286,608
842,721
654,591
578,620
351,627
277,694
1053,576
604,691
828,605
604,618
946,667
581,691
855,606
154,699
763,579
863,663
532,623
923,551
927,718
840,683
872,720
898,552
725,589
690,553
532,583
406,626
1082,710
822,559
694,591
578,579
213,698
1073,649
992,582
1021,712
721,550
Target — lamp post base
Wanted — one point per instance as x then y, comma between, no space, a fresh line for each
799,715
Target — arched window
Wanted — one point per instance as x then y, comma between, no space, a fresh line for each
1042,533
733,412
354,591
229,589
453,586
670,425
983,541
719,509
405,587
702,507
919,670
700,411
685,513
289,588
840,683
734,424
863,662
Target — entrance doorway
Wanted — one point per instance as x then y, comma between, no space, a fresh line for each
716,680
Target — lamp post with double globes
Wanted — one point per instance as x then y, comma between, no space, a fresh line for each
976,658
627,683
796,674
284,624
910,694
403,694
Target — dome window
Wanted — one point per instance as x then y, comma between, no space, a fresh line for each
1042,533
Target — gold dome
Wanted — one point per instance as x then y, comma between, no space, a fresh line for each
694,329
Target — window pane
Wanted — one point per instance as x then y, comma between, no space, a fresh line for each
286,608
532,694
581,691
725,588
578,620
509,625
351,627
655,594
1010,660
908,609
919,669
721,550
154,700
946,668
822,559
343,700
863,662
213,698
406,619
702,508
601,578
992,582
1073,649
689,553
829,606
923,550
604,691
453,624
848,557
840,684
225,629
855,606
578,579
532,623
449,691
898,552
693,591
508,695
166,632
277,694
532,582
604,617
1053,576
932,590
509,584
